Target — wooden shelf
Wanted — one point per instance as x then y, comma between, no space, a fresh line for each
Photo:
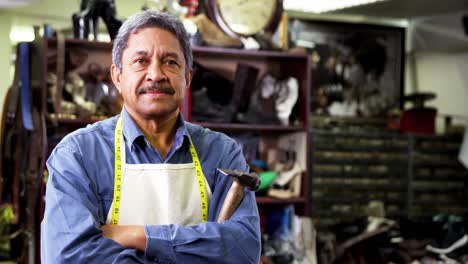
249,127
74,121
203,50
272,200
197,50
81,43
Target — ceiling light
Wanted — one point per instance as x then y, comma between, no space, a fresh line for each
21,33
321,6
15,3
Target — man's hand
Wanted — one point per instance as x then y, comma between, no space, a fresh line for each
126,235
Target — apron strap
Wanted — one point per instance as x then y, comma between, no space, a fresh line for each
119,159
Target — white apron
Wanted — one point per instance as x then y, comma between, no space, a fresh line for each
157,194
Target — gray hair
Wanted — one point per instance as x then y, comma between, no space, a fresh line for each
146,19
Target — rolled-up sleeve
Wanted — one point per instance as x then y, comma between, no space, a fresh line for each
236,240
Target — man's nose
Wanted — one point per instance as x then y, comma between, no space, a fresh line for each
155,72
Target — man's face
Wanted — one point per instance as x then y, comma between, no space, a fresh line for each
153,77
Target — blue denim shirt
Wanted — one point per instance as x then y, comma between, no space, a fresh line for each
80,190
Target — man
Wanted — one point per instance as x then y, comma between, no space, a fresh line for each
142,170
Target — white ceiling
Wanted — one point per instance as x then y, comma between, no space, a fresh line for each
392,9
406,9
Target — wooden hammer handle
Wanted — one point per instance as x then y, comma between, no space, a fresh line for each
231,202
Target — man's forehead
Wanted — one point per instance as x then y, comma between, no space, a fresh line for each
163,31
169,53
138,39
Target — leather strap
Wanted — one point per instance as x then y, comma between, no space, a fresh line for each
60,70
12,102
39,64
36,151
3,141
13,124
25,86
26,127
8,117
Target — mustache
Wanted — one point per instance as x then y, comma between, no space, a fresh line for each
157,87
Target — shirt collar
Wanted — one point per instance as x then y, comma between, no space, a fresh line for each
132,132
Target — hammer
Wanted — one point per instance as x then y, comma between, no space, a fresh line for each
235,194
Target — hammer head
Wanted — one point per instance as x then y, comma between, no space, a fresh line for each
249,180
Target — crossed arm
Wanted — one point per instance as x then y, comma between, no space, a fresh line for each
128,236
73,229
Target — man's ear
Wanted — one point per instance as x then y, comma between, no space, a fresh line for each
115,75
188,77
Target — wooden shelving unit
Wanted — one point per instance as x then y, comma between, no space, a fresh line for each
224,62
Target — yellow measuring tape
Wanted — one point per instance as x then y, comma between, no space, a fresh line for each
118,177
201,181
117,173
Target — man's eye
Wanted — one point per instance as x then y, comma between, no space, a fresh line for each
141,61
171,62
